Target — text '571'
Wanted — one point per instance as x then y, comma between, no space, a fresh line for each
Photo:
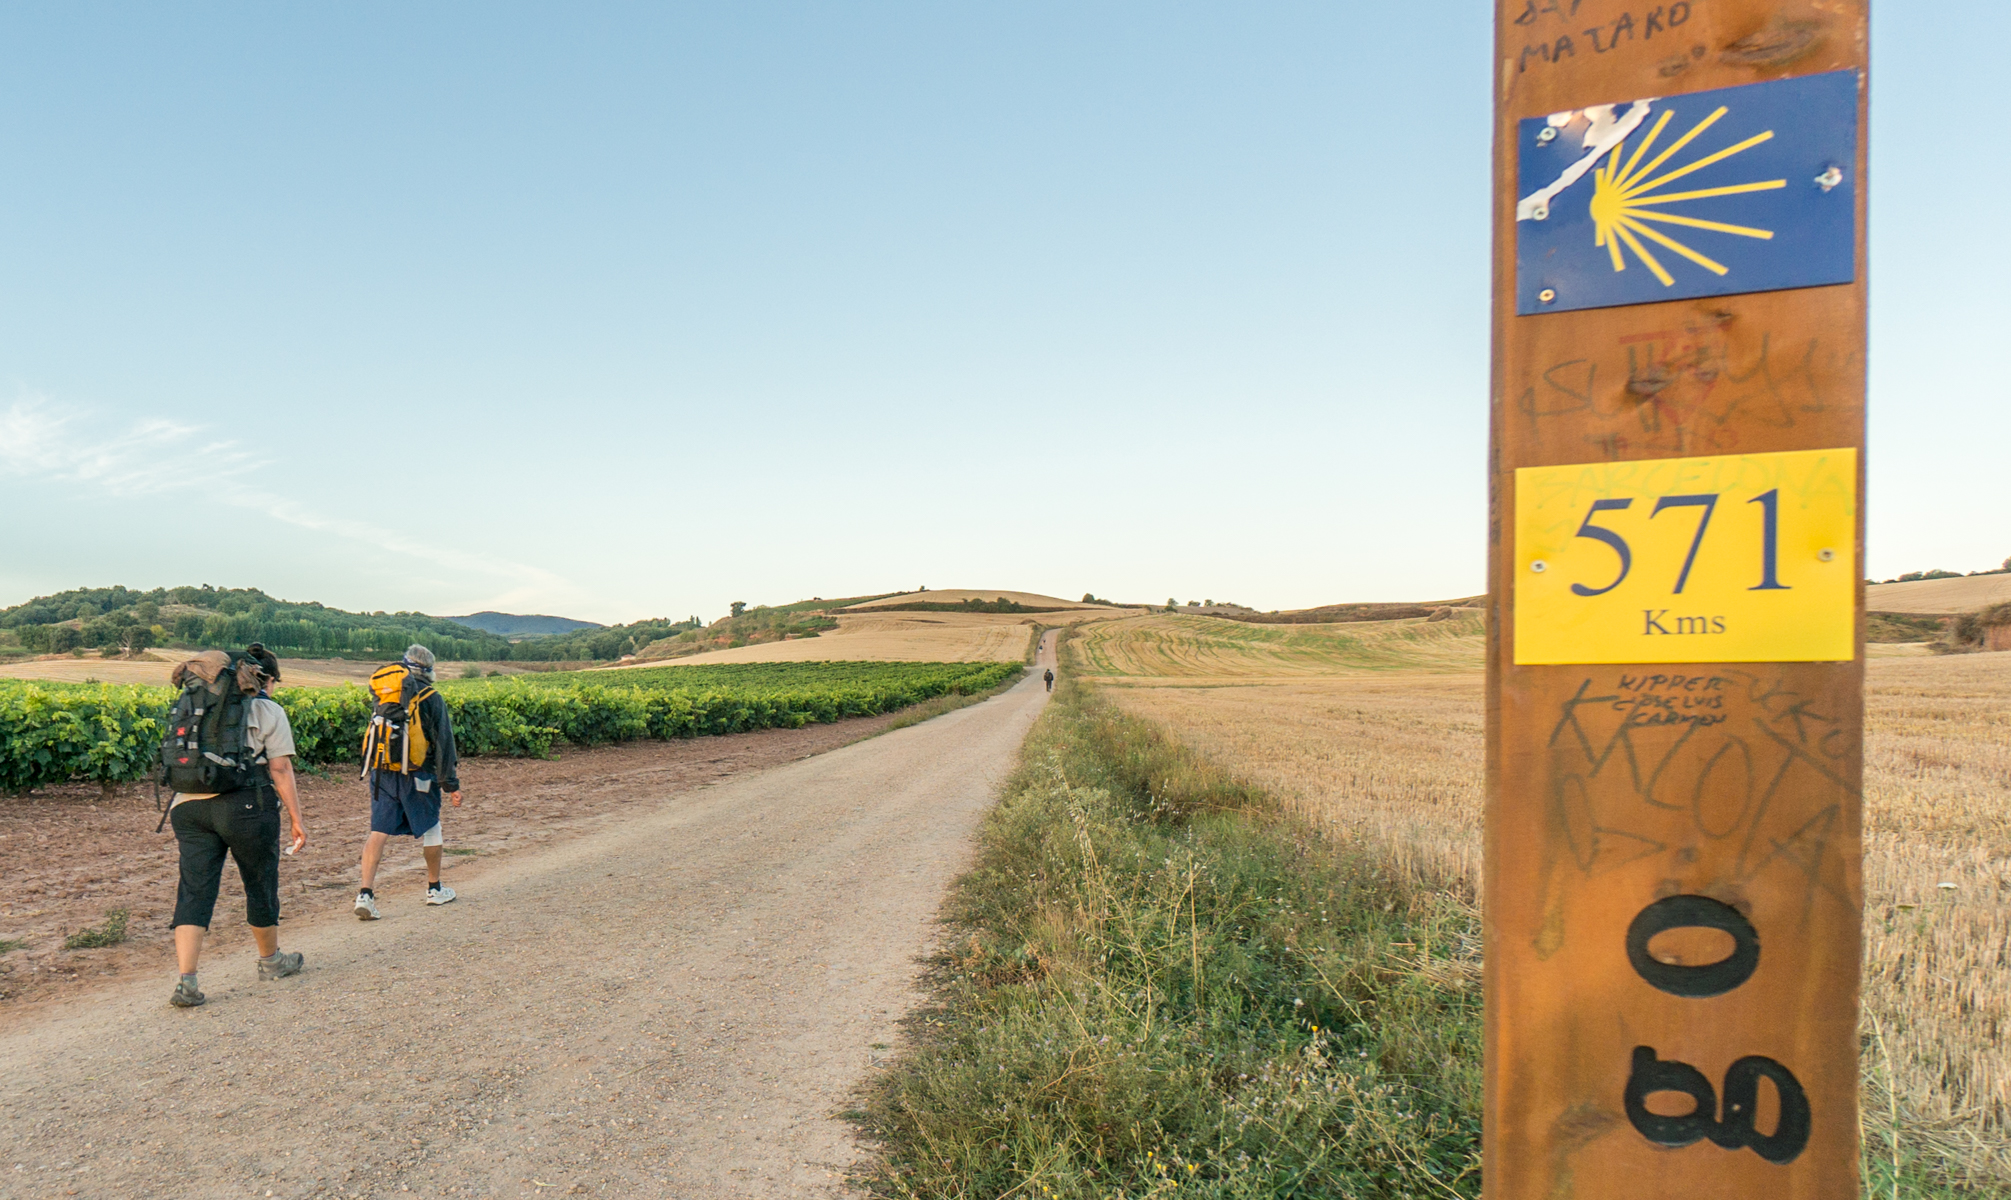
1726,558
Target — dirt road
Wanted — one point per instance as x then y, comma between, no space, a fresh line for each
673,1006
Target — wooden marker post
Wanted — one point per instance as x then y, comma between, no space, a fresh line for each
1676,642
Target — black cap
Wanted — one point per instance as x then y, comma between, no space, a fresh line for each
265,659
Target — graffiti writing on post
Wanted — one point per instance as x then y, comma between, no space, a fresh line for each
1679,765
1688,389
1655,762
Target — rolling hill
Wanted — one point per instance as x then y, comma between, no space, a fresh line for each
512,625
950,598
1939,596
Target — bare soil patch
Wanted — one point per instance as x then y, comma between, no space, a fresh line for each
72,854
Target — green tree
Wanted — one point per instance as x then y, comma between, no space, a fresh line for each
64,638
739,606
102,633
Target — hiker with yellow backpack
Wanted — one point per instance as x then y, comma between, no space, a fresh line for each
410,762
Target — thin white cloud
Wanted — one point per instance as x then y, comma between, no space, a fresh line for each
153,455
157,455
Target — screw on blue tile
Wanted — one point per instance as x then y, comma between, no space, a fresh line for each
1740,189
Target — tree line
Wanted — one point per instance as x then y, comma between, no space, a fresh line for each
124,620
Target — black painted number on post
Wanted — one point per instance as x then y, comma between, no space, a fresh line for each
1735,1126
1693,912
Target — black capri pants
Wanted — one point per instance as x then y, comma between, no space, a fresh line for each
246,824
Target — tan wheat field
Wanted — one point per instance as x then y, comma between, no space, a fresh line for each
903,637
1374,731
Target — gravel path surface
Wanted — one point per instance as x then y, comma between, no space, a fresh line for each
676,1005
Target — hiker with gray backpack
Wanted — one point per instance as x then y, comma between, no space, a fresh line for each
410,762
228,755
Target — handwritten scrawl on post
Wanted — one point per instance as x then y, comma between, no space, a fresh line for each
1649,766
1741,189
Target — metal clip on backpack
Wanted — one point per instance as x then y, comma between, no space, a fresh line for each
396,739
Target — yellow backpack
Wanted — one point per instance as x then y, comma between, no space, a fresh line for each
395,739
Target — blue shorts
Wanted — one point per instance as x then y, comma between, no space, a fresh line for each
404,805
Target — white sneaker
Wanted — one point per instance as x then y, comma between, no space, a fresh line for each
440,895
366,907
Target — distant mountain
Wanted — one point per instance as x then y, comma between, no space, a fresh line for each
513,625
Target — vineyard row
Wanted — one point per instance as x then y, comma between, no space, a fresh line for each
111,733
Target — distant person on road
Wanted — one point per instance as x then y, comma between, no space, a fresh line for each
409,761
1050,678
225,733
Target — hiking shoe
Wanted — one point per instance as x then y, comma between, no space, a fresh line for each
366,907
440,895
186,996
281,966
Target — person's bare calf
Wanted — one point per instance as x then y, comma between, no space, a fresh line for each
373,853
189,940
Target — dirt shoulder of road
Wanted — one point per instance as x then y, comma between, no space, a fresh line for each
72,854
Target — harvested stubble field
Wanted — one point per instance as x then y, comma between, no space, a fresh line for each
907,637
1374,732
1966,594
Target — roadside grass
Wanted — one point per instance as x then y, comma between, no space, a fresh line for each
1161,984
11,944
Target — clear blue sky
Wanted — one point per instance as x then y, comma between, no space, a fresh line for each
623,311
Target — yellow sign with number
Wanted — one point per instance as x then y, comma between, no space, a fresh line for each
1730,558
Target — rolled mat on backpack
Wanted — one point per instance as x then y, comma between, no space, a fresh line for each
205,666
211,664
